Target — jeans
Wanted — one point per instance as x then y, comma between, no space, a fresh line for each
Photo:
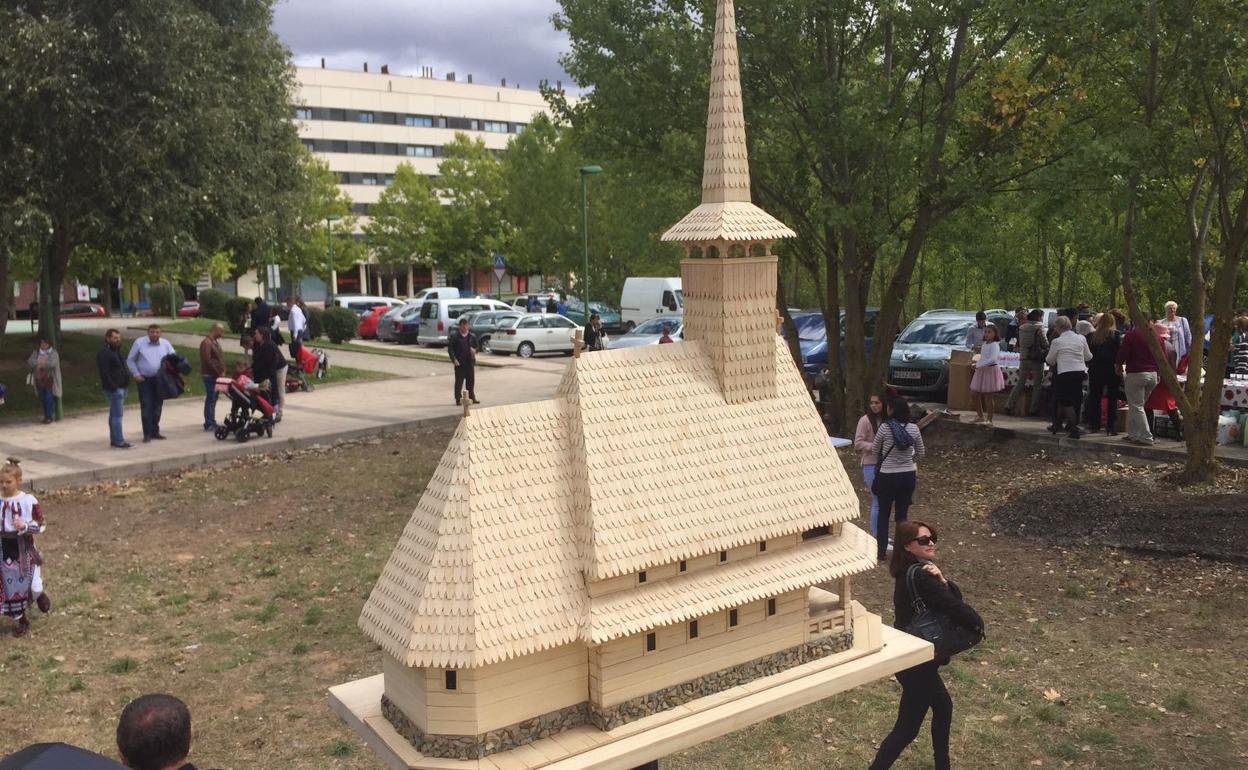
465,374
210,401
48,401
1027,371
1137,386
116,401
921,689
896,489
868,475
150,407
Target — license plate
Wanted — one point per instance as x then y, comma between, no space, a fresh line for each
907,374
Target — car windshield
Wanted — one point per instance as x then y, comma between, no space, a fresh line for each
509,322
655,325
934,332
810,327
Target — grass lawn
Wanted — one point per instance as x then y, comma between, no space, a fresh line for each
238,588
202,325
81,383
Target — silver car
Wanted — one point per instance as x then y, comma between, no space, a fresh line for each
385,326
649,332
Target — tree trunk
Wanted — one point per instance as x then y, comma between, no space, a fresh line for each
6,287
839,371
55,268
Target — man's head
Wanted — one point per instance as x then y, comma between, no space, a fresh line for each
290,301
217,331
667,328
463,326
154,733
595,319
112,338
258,300
1035,315
981,318
153,333
1062,324
261,335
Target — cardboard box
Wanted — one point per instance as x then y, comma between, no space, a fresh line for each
960,371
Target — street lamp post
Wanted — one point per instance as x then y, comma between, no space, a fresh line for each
333,272
584,282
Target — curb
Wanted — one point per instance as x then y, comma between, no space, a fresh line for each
1123,450
227,451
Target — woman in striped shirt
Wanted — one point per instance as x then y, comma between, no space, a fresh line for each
898,444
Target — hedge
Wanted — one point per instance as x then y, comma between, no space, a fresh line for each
340,324
158,295
214,304
234,309
316,322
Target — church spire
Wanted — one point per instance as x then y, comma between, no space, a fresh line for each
726,162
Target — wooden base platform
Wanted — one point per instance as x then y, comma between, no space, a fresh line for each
654,737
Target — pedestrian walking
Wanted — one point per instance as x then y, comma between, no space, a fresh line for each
922,689
269,365
594,338
462,348
261,314
1103,375
1139,377
1069,356
1180,330
211,366
898,444
145,360
1033,347
114,380
988,380
552,306
864,445
297,325
666,338
561,307
45,375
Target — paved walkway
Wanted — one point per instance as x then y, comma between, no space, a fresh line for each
76,451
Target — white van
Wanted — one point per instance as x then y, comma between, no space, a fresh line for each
645,298
362,303
434,292
437,316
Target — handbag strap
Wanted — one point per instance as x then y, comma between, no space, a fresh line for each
915,600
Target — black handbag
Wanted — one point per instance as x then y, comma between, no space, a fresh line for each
948,637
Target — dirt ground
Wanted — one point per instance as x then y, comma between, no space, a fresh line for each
238,588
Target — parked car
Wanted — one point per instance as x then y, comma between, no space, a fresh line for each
611,321
919,365
521,301
434,292
437,316
644,298
532,333
649,332
362,303
83,310
368,322
484,323
386,326
812,338
189,310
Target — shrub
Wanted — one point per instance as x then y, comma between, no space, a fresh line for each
158,295
234,308
340,324
316,323
213,303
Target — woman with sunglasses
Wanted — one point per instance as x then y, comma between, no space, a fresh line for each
921,686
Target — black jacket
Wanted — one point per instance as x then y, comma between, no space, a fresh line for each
266,359
1105,355
941,597
112,367
590,337
261,315
460,347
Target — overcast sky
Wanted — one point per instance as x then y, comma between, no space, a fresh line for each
490,39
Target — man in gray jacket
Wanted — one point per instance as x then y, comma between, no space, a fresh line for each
1033,346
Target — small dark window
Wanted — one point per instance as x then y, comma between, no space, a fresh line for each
693,629
762,546
732,618
771,607
451,679
810,534
684,566
641,576
723,556
652,642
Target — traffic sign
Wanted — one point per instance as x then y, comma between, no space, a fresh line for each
500,266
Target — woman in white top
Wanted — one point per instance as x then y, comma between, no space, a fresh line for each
1069,356
1180,330
988,379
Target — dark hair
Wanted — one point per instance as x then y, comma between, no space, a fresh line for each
1035,315
981,316
263,331
258,300
907,532
154,732
900,408
874,418
153,326
112,331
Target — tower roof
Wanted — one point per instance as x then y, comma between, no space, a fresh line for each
726,212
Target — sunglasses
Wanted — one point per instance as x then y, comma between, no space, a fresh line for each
926,540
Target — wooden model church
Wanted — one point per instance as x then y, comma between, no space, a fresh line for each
632,567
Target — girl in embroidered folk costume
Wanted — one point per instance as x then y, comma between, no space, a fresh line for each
21,579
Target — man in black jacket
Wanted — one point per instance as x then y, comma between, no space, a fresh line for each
261,314
462,347
269,365
114,379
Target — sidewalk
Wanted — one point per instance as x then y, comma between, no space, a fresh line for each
76,451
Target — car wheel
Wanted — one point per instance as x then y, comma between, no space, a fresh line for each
526,350
484,345
628,327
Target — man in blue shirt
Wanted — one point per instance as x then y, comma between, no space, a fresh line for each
144,362
561,307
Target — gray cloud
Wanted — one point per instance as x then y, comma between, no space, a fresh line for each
491,39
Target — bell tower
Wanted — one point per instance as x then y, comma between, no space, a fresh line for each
729,273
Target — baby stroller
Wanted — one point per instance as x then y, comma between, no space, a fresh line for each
250,412
311,361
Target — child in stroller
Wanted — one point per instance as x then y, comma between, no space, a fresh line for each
250,412
311,361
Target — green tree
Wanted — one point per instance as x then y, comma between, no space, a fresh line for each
541,200
470,184
312,199
404,220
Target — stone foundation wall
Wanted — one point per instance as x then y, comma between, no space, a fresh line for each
553,722
669,697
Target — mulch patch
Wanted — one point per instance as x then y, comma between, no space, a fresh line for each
1130,513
